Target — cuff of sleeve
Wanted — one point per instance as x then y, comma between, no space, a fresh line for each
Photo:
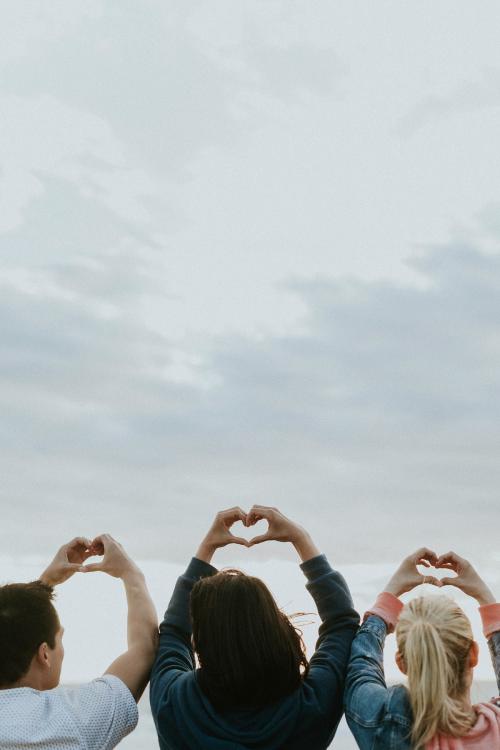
315,566
388,607
199,569
490,616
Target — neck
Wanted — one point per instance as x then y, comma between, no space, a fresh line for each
32,679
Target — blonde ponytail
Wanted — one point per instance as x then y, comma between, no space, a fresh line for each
434,638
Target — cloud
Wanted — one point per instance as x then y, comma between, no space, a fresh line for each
378,421
373,419
467,97
165,90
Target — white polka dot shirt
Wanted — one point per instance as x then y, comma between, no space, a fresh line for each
94,716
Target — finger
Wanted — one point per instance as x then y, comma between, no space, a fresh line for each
100,542
259,539
424,553
452,558
263,511
253,518
451,581
74,567
234,514
239,540
424,563
92,568
79,541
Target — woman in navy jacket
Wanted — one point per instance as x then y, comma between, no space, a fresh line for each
254,687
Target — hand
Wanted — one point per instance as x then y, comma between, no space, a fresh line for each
281,529
407,576
115,561
219,534
68,560
467,579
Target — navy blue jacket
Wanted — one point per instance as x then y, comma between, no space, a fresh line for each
307,718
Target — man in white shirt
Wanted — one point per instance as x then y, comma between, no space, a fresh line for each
34,711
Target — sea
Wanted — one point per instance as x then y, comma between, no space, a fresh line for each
144,737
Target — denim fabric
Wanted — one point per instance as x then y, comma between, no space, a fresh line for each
494,646
380,717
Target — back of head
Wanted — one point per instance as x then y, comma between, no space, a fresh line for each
27,619
250,653
434,638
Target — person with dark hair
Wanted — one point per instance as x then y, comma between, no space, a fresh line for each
254,687
35,712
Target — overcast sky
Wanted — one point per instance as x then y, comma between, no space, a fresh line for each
250,253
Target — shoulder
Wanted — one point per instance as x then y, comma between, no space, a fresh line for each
108,687
105,702
175,687
95,715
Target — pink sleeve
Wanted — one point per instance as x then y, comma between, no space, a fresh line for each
490,616
388,607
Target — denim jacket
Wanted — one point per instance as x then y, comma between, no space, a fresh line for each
380,717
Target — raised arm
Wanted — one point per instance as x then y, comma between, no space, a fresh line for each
68,560
175,653
134,665
366,689
339,621
470,582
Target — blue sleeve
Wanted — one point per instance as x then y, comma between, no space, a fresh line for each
175,654
494,646
339,623
366,691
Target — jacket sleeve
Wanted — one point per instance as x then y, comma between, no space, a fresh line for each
490,616
366,689
175,654
339,622
494,646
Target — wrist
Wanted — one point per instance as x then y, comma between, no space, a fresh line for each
394,588
48,578
485,596
303,543
206,551
132,575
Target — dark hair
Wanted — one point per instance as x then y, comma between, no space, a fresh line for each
27,619
250,654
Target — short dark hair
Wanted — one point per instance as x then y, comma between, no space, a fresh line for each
27,619
250,653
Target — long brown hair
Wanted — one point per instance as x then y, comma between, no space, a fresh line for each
250,653
434,638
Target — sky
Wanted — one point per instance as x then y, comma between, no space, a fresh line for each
250,254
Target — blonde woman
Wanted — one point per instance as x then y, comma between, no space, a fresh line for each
437,653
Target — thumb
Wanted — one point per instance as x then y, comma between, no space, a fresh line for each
92,568
259,539
239,540
455,581
74,567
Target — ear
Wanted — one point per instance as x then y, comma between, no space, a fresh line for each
473,655
43,656
401,663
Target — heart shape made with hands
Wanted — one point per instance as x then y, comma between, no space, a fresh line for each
253,530
437,569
